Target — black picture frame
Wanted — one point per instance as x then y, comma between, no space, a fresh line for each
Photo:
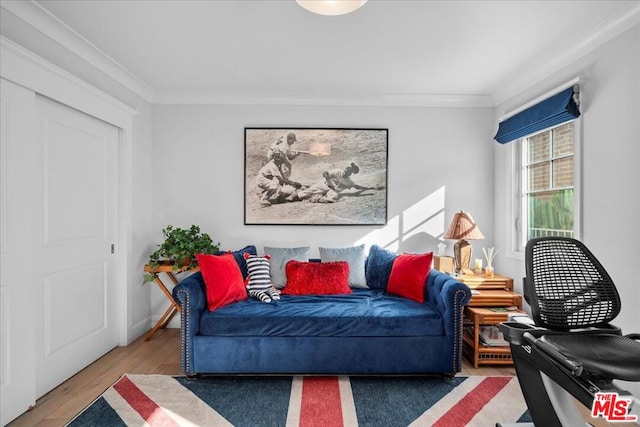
327,176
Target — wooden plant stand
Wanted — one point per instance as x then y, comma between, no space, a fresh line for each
166,268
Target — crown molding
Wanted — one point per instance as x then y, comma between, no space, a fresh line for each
50,26
315,99
612,26
29,70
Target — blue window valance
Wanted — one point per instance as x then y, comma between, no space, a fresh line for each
552,111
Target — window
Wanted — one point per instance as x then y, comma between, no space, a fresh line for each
546,174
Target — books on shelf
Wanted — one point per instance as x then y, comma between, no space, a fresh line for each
491,336
503,309
520,318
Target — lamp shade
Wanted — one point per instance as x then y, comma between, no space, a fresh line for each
463,227
331,7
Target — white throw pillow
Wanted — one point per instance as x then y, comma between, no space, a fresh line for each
355,257
279,259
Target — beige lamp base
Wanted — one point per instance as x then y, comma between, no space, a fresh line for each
462,255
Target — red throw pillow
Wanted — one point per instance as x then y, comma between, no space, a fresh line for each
222,278
317,278
409,275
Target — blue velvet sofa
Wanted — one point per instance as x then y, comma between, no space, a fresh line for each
366,332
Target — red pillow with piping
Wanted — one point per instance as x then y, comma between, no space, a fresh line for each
222,278
409,275
317,278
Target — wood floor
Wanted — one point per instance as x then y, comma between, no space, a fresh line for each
160,355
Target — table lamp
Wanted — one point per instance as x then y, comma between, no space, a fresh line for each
462,228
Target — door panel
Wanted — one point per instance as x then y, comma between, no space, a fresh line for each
65,192
79,204
59,333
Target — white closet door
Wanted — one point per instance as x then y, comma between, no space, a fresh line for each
17,278
76,294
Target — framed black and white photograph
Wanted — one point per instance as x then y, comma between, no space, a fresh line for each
315,176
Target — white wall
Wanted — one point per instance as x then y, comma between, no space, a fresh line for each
611,177
198,161
440,161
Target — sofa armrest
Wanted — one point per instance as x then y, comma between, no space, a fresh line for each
191,297
449,296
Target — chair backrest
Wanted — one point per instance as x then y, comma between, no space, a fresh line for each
567,287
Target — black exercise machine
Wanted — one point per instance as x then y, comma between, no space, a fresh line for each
572,353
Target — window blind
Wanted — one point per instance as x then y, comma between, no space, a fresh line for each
554,110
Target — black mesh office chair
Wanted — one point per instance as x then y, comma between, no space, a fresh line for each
573,347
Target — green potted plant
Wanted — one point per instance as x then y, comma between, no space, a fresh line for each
179,249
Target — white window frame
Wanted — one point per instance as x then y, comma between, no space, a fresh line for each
517,208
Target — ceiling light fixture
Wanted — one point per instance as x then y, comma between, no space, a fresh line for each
331,7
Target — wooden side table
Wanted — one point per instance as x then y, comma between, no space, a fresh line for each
167,268
491,302
481,281
473,348
494,298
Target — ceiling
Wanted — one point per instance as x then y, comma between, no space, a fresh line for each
389,49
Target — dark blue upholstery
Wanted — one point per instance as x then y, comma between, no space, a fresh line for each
364,313
367,332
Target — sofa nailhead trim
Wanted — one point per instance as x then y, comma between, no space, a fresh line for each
457,342
184,297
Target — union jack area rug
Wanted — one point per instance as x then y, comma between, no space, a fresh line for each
159,400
